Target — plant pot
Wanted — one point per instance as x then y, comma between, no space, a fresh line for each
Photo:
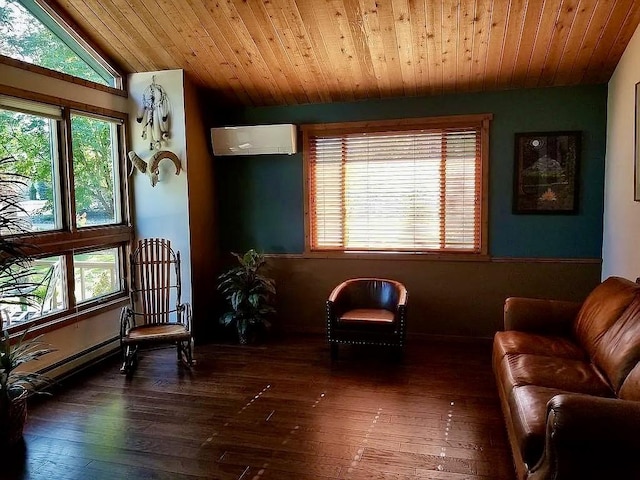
12,420
243,334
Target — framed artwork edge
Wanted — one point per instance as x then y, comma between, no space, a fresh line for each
573,183
636,150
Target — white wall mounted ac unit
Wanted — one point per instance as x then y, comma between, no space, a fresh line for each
254,140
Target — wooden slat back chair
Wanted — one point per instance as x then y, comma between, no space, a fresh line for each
156,313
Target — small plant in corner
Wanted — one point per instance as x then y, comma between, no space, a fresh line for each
249,294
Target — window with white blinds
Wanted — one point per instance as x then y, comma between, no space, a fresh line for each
410,189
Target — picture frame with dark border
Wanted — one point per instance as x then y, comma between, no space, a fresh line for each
546,172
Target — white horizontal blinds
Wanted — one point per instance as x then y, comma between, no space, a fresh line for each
327,192
402,190
462,191
33,108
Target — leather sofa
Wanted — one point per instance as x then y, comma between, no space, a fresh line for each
568,379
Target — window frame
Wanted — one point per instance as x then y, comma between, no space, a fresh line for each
69,33
71,239
480,121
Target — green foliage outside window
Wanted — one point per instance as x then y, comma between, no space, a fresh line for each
93,166
28,138
25,38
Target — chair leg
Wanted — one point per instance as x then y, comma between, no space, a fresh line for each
334,351
190,350
398,354
129,360
185,353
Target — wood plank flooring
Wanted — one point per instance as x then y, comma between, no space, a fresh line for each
277,411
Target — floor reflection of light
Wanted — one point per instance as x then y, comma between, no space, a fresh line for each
239,412
250,402
292,433
295,429
318,400
443,450
114,435
358,456
260,472
244,473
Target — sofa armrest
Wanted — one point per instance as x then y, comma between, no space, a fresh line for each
590,437
537,315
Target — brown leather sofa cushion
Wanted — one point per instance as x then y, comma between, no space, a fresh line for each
630,389
601,309
514,341
618,351
578,376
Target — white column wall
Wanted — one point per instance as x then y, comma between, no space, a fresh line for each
163,210
621,246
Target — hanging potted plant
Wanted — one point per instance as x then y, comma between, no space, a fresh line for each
249,294
15,384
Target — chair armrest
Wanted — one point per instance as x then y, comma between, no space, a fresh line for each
537,315
335,304
404,296
590,437
336,291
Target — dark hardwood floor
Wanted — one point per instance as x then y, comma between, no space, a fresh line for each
276,411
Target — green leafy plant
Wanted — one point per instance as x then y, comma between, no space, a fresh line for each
16,384
16,284
249,293
13,381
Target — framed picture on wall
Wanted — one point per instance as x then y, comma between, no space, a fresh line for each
636,157
546,172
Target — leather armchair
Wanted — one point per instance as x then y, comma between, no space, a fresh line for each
367,311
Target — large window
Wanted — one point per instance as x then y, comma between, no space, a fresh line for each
32,32
70,205
95,170
29,134
409,186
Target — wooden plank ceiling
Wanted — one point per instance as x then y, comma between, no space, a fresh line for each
267,52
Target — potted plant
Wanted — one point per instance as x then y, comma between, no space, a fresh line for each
15,384
249,294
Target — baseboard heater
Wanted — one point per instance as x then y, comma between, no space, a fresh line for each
81,360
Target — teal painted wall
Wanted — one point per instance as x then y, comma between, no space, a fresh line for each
260,198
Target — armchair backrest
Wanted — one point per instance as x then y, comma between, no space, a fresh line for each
370,293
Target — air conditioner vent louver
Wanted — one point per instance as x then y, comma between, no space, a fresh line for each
254,140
